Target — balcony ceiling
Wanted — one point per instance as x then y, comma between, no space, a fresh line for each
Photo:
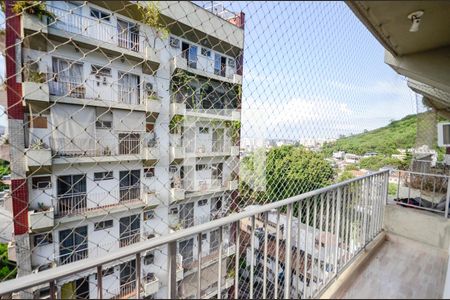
388,22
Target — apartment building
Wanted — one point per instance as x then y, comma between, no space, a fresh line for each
123,136
313,252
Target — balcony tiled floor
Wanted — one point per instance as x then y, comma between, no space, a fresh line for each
401,268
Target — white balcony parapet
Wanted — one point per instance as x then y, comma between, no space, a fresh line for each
38,157
179,62
151,198
177,108
86,30
39,220
177,194
151,285
177,152
12,251
33,23
35,91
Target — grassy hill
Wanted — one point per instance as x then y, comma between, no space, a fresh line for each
385,140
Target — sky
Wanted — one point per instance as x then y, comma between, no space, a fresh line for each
311,71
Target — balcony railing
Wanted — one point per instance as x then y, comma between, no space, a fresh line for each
77,203
424,191
73,256
94,89
102,31
129,238
91,147
343,217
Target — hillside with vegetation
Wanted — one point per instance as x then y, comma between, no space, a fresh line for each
384,140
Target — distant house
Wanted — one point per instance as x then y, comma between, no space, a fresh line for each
370,154
339,155
351,158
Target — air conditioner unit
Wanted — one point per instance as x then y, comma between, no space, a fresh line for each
174,42
444,134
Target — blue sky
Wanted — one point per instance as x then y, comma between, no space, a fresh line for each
312,70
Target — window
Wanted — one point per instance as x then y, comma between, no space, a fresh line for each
231,62
100,71
37,122
41,183
107,272
173,169
149,214
103,176
100,15
202,202
149,258
203,130
204,236
103,225
173,211
129,230
149,172
201,167
206,52
42,239
99,124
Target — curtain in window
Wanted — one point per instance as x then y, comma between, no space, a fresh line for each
73,129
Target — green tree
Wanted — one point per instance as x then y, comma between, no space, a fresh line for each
7,268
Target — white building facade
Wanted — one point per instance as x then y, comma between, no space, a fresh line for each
127,136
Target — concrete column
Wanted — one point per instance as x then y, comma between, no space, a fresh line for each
19,191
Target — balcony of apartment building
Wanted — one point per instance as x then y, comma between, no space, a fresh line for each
77,203
127,92
196,102
105,147
93,28
207,64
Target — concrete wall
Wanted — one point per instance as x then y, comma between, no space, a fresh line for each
421,226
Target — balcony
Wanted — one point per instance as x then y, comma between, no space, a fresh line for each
111,38
226,75
178,107
12,256
90,150
151,284
41,219
81,205
361,245
95,92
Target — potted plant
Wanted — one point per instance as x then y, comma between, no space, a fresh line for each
107,151
42,207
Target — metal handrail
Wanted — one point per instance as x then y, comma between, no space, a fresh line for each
49,276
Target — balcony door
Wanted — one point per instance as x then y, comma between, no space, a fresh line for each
190,53
129,185
186,249
128,35
129,88
73,245
217,139
67,78
68,16
71,191
130,228
187,214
